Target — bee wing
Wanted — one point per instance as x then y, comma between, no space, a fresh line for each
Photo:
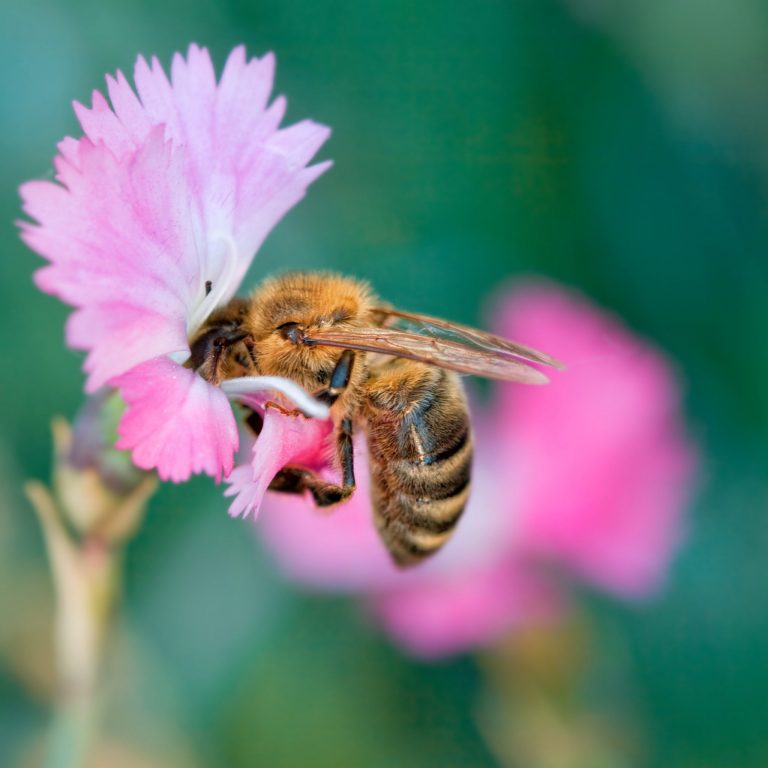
464,334
446,353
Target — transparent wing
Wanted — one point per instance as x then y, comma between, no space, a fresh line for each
435,327
493,363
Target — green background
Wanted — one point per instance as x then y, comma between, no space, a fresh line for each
619,147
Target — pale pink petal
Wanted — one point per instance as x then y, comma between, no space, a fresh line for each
193,82
121,336
157,98
299,143
284,440
69,150
242,173
606,465
176,422
247,493
128,109
101,126
241,120
116,239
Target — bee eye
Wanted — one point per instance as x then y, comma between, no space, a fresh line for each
291,331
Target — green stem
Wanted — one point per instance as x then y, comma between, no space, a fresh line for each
85,579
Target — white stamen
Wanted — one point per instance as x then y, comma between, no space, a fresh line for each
246,385
220,285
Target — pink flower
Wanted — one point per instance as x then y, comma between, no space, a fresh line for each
151,224
606,463
589,474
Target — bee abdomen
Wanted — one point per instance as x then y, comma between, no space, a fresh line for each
432,497
421,473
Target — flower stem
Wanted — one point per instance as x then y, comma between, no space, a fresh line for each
86,576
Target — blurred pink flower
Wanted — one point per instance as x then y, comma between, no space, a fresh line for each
154,218
606,465
588,475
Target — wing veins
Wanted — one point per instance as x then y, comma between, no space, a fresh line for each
487,341
436,351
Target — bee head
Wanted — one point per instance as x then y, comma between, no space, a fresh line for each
285,311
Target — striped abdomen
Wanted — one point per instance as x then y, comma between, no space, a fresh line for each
420,450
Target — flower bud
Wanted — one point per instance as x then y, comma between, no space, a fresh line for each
99,491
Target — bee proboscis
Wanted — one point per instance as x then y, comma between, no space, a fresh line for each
400,385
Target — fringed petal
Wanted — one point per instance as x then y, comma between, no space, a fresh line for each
285,439
116,238
241,173
176,422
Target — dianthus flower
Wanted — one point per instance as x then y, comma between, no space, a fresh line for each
152,222
588,476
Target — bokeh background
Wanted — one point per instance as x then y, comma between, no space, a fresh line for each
618,147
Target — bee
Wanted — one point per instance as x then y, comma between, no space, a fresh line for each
391,373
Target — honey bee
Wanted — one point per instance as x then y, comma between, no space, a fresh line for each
391,373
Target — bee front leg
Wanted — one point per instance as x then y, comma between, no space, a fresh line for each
325,494
339,378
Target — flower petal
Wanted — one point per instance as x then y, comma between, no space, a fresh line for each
176,422
243,174
120,336
116,238
607,468
285,439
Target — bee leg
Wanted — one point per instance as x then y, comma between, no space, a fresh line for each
295,480
339,378
346,454
325,494
218,346
281,409
290,480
